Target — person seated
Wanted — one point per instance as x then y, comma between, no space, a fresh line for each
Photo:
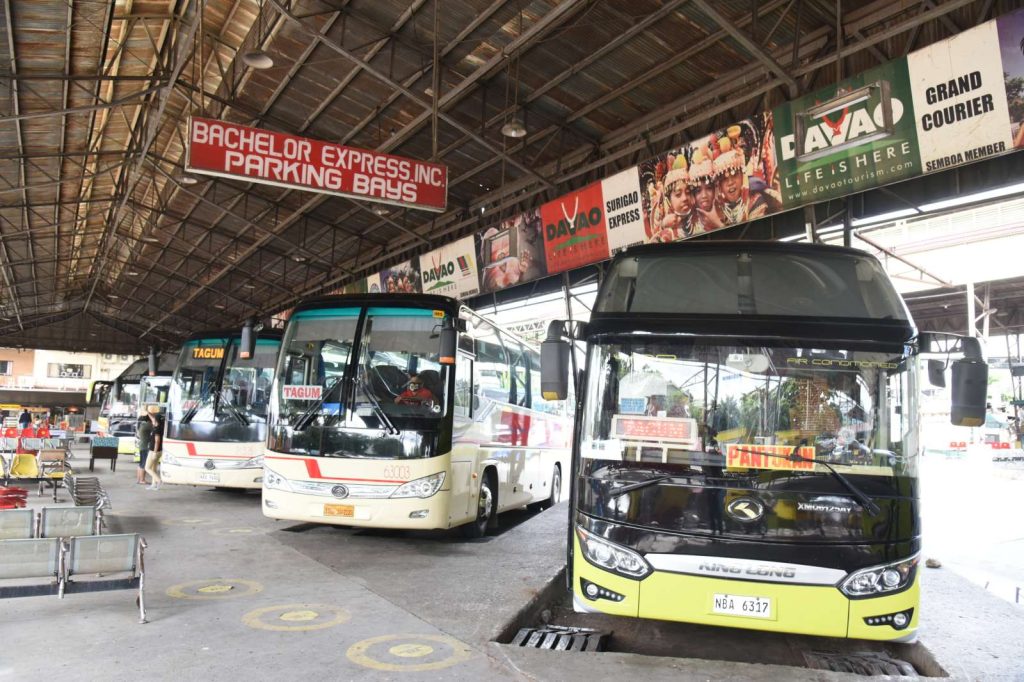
415,393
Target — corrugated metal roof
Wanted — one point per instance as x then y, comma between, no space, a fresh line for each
105,232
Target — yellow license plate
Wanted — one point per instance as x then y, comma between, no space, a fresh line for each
346,510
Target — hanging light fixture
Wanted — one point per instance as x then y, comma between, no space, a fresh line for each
514,128
257,58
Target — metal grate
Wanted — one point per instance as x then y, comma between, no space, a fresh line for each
862,663
561,638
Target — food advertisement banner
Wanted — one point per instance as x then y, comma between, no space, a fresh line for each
624,213
512,252
848,137
1010,29
451,270
575,233
957,87
235,151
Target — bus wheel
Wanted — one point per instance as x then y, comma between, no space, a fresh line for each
556,490
485,509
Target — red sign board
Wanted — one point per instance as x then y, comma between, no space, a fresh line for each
237,151
574,229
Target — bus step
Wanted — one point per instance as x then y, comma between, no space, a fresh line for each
859,663
561,638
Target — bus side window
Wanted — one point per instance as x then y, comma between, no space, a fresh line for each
491,379
464,386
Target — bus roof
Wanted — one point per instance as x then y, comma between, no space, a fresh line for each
753,288
449,305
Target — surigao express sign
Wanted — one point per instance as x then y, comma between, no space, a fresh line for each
237,151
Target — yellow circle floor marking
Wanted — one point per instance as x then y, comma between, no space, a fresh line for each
214,588
234,531
189,522
411,650
210,589
295,617
368,654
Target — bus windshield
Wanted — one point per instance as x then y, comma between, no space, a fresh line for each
730,415
204,393
332,403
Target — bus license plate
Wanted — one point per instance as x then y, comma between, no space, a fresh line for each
208,477
739,605
346,510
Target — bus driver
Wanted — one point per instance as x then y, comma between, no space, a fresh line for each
415,393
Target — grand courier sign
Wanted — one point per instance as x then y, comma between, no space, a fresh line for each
237,151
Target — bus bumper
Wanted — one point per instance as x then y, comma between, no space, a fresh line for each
820,610
414,513
224,474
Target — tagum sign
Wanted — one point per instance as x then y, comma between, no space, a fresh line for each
301,392
236,151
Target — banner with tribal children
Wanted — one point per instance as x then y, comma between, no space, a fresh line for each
729,177
511,252
402,278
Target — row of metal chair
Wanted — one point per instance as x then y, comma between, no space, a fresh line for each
63,564
50,522
86,491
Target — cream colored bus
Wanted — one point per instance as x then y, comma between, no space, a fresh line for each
217,412
408,411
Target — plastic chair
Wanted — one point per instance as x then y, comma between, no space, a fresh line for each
24,465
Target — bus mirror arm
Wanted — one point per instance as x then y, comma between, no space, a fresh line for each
554,363
970,375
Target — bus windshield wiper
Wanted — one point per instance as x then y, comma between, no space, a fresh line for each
232,409
381,414
862,499
629,487
303,421
192,411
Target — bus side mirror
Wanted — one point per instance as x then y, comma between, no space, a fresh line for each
970,386
449,342
937,373
554,363
247,345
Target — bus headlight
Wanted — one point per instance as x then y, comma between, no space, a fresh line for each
420,487
876,580
275,481
612,557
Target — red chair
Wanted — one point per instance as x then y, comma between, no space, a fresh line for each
43,432
11,432
13,497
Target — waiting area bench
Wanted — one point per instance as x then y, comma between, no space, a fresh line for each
60,566
60,551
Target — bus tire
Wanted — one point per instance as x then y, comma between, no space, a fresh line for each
556,489
487,506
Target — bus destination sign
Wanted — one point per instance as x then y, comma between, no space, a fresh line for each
208,353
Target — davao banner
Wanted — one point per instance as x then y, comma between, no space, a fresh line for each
575,233
848,137
236,151
512,252
957,87
451,270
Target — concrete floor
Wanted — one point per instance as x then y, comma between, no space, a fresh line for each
233,594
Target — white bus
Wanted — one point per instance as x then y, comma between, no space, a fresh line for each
217,415
369,428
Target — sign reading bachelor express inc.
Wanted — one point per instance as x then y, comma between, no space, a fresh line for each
237,151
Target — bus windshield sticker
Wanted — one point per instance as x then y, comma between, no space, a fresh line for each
299,392
601,449
767,457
